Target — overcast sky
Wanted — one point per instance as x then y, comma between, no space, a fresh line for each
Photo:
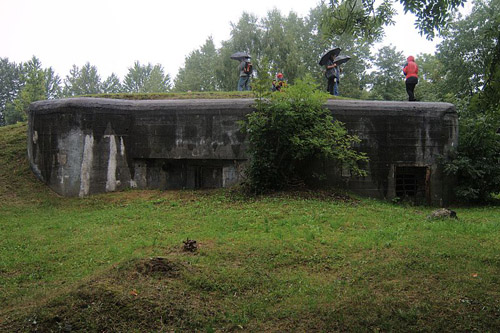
112,34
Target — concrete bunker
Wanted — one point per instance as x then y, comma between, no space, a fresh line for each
82,146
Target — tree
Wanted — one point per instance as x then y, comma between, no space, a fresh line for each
82,81
10,84
146,79
277,43
358,18
52,84
246,36
470,50
12,115
226,69
157,81
365,18
432,15
34,89
431,81
387,80
199,71
279,47
476,162
135,78
112,85
470,54
354,79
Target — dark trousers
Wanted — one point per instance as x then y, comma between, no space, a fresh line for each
331,86
411,82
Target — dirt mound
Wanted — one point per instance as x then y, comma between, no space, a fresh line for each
158,266
138,296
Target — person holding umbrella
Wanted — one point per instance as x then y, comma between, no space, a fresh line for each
245,69
339,60
333,77
332,70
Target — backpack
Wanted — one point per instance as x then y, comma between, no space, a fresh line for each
248,68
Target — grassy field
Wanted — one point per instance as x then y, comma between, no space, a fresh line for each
301,262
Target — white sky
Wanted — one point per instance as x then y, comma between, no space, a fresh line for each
112,34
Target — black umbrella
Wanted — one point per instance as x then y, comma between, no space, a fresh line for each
240,56
341,60
335,51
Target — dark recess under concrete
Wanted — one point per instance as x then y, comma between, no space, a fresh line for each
82,146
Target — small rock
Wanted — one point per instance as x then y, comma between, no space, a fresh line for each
442,213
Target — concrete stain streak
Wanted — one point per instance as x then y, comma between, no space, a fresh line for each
111,176
86,168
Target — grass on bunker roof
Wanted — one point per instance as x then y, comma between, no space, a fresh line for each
285,262
178,95
186,95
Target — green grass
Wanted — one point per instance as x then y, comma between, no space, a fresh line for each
287,262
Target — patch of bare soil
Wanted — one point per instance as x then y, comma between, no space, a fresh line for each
159,267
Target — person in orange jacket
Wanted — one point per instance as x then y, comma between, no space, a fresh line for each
410,69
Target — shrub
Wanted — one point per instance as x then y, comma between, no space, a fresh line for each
476,162
289,128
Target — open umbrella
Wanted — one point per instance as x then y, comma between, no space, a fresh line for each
240,56
341,60
335,51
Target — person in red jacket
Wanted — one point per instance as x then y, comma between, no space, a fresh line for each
411,71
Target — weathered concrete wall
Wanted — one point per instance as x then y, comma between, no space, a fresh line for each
403,141
86,145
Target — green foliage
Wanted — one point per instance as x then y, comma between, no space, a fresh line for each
354,79
387,80
112,85
470,49
432,15
146,79
12,114
24,84
52,84
358,18
476,163
277,43
10,84
432,80
471,57
292,127
366,18
284,44
157,81
226,70
34,89
82,81
198,73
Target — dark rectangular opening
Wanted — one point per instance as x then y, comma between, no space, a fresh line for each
412,183
207,176
180,174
